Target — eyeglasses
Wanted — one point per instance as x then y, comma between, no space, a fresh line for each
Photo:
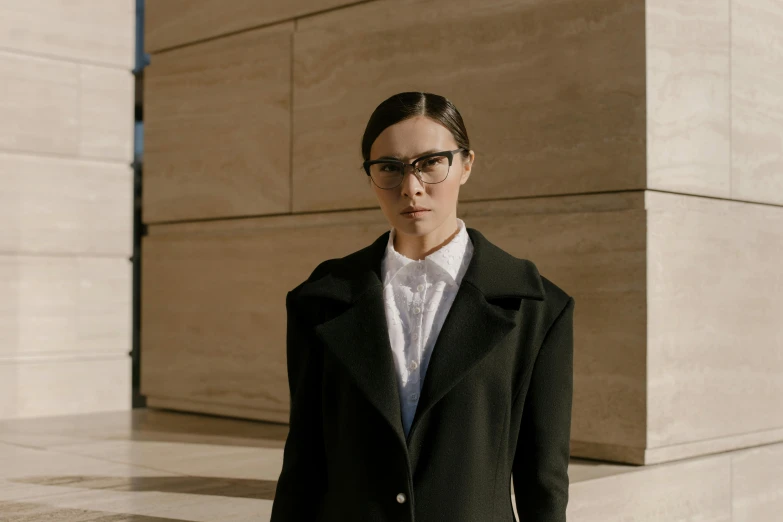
430,168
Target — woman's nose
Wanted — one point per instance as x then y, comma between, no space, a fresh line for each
411,184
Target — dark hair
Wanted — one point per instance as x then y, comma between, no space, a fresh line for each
409,104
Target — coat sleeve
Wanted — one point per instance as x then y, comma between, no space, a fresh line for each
540,468
302,479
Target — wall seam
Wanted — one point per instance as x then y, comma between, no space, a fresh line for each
256,27
291,124
731,109
64,59
34,154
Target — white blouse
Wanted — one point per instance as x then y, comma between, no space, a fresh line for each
417,296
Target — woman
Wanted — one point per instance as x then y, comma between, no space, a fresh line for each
431,368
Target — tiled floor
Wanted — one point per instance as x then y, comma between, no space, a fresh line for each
155,466
139,466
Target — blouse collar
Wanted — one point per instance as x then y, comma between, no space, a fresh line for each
448,258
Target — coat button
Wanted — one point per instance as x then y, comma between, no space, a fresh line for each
401,498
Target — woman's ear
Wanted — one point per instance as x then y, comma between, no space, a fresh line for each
467,167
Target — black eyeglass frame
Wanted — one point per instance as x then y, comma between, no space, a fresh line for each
448,153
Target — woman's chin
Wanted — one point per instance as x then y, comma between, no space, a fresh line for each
415,227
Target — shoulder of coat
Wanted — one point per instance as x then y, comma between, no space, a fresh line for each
343,270
324,268
555,297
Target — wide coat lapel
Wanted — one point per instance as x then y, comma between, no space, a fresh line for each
483,312
358,334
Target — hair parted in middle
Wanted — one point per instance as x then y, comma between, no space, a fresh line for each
404,105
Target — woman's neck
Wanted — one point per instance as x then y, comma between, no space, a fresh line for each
419,247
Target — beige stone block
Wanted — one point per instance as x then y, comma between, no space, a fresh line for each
757,483
599,257
54,107
552,93
213,309
714,335
688,99
89,31
664,298
757,100
39,105
688,491
65,206
594,247
198,355
63,386
217,128
106,113
170,23
63,307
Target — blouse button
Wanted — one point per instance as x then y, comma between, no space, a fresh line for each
420,288
413,397
413,365
416,310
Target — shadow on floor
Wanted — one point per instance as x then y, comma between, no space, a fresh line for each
27,511
221,487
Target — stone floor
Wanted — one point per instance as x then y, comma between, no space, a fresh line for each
160,466
140,466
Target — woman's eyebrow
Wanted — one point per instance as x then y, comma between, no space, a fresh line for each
429,151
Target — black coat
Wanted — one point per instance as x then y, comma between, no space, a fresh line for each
495,400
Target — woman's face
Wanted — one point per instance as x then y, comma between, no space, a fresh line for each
406,141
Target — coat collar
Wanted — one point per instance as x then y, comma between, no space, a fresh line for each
483,312
360,271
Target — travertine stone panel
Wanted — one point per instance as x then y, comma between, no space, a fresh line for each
202,355
106,113
60,305
688,114
757,481
170,23
65,206
688,491
54,107
553,93
217,128
600,259
64,386
757,100
90,31
663,285
707,446
715,348
213,309
39,106
66,142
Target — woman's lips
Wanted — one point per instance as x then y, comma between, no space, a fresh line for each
415,214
